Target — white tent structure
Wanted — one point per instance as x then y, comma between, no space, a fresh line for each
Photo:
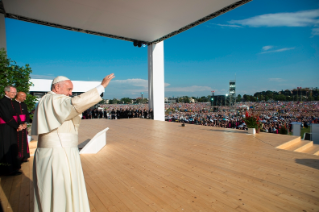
244,107
147,22
41,86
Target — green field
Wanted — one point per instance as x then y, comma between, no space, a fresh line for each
303,130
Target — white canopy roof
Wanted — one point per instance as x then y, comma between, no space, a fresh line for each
44,85
149,21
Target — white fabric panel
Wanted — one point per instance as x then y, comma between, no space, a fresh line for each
44,85
156,80
96,143
145,20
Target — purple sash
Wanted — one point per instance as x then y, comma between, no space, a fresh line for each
22,118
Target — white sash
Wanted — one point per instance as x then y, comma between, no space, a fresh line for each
54,140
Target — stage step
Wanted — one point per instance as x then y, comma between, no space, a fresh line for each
314,150
298,145
289,143
304,145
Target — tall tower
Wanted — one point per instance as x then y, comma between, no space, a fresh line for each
232,91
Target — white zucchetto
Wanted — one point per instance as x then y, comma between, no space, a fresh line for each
59,79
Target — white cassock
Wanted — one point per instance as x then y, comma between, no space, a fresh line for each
58,179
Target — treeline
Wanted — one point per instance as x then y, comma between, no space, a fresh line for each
302,94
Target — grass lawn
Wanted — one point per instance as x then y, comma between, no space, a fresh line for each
303,131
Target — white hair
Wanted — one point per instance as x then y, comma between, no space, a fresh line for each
59,83
7,88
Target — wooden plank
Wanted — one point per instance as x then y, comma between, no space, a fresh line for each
130,139
226,184
6,184
15,193
24,198
158,166
31,191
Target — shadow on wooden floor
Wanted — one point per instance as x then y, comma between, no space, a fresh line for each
313,163
15,194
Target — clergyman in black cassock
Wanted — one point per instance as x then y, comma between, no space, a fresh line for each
22,110
9,124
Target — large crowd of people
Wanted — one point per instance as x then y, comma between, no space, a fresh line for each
272,115
119,112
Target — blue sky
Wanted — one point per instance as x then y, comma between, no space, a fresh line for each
268,44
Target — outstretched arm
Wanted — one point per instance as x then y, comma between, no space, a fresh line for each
90,98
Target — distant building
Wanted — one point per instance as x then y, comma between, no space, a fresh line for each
169,100
42,86
219,100
232,92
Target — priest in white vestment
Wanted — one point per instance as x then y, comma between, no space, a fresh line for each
58,180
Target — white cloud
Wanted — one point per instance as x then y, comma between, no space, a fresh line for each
295,19
193,88
35,76
265,48
278,50
315,31
308,18
276,79
128,88
133,82
229,25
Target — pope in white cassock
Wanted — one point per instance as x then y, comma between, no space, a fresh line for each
58,179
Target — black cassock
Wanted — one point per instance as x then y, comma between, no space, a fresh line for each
23,146
9,162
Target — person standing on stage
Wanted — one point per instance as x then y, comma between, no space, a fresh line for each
113,113
9,125
22,110
150,113
58,180
105,113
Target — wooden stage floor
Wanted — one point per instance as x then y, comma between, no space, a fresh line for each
159,166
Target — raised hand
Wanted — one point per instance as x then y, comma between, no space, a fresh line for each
107,80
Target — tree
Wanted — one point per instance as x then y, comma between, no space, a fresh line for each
246,97
185,99
195,99
266,98
126,100
253,99
113,101
203,99
141,101
17,76
238,98
280,97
